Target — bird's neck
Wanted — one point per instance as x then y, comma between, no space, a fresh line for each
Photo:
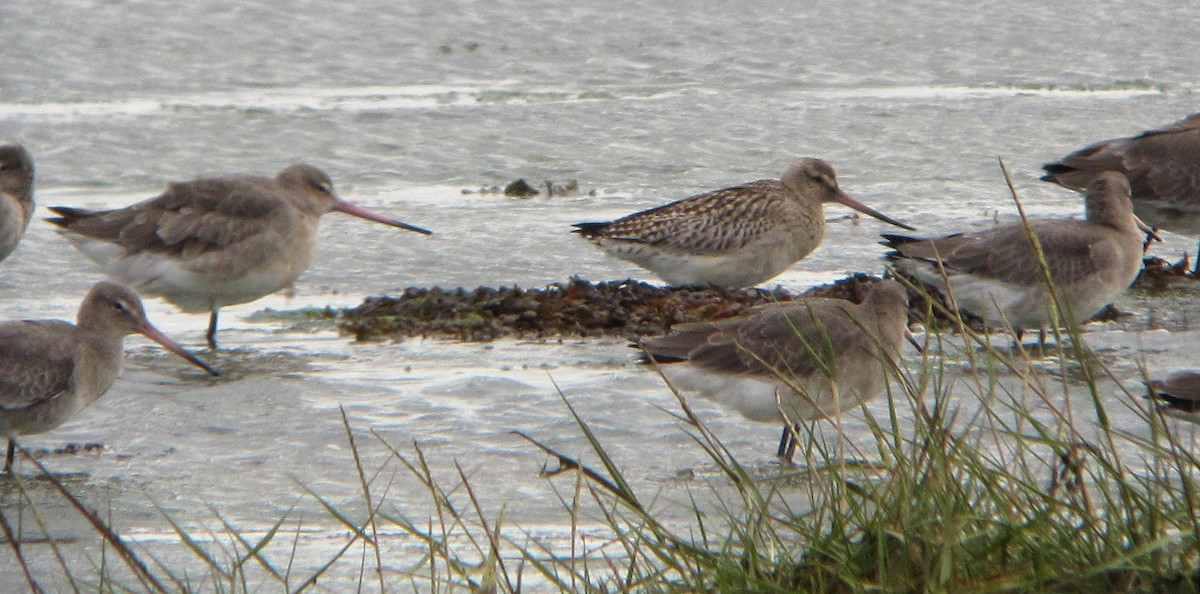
103,339
99,362
1121,220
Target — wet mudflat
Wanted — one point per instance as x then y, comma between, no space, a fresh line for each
408,105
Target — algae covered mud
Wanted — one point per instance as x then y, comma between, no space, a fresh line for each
577,308
405,106
632,309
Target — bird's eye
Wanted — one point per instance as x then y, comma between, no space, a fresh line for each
117,305
326,187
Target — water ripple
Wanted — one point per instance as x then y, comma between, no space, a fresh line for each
434,97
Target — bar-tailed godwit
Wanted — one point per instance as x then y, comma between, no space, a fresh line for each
734,237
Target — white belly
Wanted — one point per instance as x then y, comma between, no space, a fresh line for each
748,266
767,400
1021,306
12,224
196,285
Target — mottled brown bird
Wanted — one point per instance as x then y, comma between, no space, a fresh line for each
16,196
734,237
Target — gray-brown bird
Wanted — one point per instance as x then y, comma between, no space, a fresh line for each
213,242
1163,167
1180,391
51,369
793,361
16,196
995,274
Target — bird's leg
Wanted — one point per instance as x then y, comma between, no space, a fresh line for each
791,449
8,458
1196,268
211,335
913,340
1017,339
787,442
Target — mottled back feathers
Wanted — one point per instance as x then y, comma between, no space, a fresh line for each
713,222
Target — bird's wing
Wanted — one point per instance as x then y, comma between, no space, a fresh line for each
1182,385
679,343
1161,164
713,222
797,338
36,362
1006,254
188,218
1077,168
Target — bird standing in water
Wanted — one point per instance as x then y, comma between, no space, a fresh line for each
1179,392
213,242
1163,168
731,238
50,369
995,274
792,361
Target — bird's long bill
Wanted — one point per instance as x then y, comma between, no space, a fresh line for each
913,341
1147,229
845,198
157,336
362,213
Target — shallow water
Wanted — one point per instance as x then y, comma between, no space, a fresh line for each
406,106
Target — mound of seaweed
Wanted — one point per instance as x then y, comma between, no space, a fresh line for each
1159,275
626,309
578,308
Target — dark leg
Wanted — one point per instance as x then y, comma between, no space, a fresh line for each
1196,268
212,329
787,443
8,458
791,449
1017,339
785,439
913,341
